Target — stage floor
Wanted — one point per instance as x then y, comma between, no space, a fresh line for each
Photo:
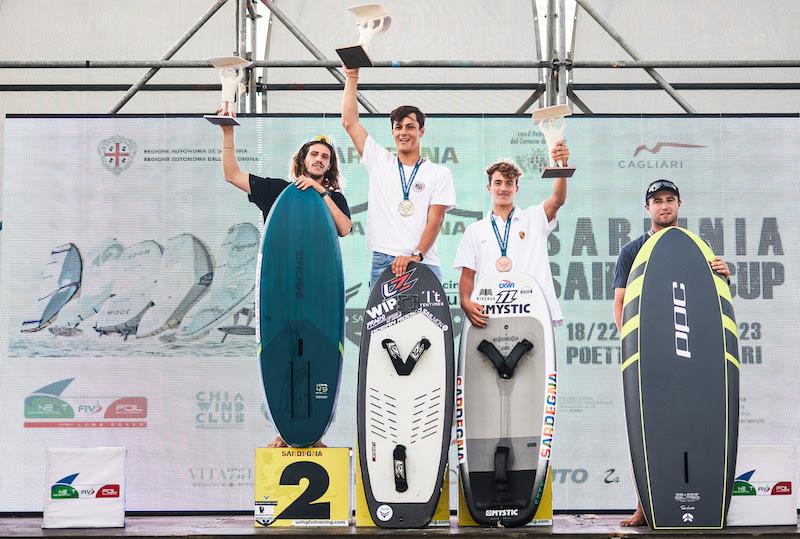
580,525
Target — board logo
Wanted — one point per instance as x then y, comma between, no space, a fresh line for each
549,420
502,513
66,488
744,486
398,285
681,320
321,391
384,512
117,153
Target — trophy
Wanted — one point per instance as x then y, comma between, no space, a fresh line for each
551,122
231,72
372,19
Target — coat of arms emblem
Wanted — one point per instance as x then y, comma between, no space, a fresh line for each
117,153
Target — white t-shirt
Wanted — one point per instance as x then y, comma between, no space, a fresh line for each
527,249
387,231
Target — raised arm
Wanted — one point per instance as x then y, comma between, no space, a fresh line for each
560,153
358,134
230,164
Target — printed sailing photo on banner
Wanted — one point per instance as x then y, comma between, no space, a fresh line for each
128,266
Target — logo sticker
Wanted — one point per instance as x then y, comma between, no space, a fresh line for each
117,153
398,285
384,512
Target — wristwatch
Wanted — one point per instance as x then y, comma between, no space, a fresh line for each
325,193
417,252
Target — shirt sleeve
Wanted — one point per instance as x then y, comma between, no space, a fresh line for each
373,154
467,254
539,218
623,267
444,193
265,191
341,202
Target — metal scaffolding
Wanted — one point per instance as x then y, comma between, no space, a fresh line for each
554,70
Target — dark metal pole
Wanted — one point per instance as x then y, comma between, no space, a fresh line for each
167,55
551,82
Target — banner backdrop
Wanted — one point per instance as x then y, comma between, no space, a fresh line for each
103,216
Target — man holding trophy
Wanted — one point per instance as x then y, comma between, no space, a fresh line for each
408,195
511,237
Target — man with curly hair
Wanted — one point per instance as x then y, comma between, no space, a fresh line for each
314,166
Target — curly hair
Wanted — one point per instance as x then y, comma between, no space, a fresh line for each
507,168
297,166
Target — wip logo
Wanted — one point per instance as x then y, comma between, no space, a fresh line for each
117,153
48,408
399,284
659,145
66,488
744,486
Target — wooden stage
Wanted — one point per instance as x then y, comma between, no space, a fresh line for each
228,526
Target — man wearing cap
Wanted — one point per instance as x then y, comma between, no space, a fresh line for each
408,195
314,166
661,200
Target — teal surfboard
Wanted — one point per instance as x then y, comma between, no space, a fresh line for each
301,316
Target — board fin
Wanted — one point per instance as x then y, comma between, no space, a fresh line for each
505,365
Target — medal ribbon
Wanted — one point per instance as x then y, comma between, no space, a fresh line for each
407,186
504,242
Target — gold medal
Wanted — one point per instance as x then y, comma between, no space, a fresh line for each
503,264
406,208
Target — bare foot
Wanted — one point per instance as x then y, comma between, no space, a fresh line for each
636,519
280,442
277,442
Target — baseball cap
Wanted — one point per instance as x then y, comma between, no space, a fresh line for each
660,185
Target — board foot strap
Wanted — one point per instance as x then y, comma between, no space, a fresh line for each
400,482
404,368
501,453
505,365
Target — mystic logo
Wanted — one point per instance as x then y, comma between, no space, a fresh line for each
505,283
502,513
219,410
744,486
117,153
66,489
398,285
681,320
47,408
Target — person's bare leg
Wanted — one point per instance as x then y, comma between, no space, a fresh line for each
636,519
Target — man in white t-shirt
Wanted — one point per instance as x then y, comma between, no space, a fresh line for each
408,195
516,242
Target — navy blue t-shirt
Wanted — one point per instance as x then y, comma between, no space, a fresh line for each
625,260
265,191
